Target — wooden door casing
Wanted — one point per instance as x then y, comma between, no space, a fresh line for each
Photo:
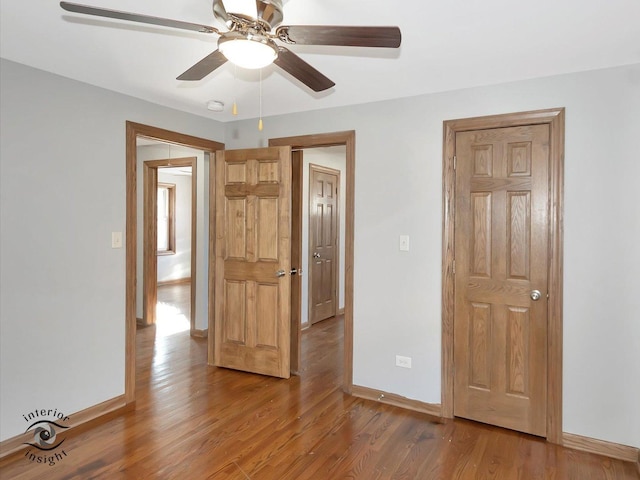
323,242
252,243
501,241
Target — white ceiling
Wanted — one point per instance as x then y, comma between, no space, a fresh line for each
446,45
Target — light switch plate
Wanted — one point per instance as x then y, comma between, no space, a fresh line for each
404,243
116,239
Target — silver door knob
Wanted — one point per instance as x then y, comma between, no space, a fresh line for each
280,273
535,295
316,255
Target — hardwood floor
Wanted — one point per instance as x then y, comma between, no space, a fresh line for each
198,422
176,295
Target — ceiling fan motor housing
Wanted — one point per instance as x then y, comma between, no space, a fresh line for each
267,13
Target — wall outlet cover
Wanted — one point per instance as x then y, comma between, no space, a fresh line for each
404,362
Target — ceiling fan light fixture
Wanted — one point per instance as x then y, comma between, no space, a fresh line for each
253,51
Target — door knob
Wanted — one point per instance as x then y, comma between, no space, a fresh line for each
280,273
316,255
535,295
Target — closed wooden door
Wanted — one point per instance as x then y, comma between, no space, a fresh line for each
252,264
501,242
323,242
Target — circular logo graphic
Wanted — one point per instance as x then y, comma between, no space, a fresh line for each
44,435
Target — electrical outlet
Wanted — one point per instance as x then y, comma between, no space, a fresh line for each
404,362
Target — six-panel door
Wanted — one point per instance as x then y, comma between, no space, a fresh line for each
501,242
252,264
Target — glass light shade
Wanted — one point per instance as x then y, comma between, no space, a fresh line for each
247,53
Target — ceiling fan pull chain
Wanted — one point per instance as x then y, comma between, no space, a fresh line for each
234,109
260,107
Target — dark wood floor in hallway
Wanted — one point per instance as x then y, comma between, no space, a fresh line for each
198,422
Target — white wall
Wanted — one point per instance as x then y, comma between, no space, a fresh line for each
332,157
62,286
178,265
399,191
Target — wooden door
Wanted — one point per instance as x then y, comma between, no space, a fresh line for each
501,242
252,264
323,242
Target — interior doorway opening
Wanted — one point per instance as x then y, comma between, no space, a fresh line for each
172,287
323,233
135,232
299,145
169,230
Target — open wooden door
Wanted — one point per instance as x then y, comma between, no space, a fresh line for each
252,260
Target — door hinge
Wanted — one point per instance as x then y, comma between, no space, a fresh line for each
455,161
454,267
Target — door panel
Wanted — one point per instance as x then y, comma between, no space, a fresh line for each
252,302
501,241
323,242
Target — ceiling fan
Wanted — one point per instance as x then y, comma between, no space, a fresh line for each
250,41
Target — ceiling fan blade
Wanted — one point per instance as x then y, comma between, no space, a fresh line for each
134,17
204,67
389,37
293,64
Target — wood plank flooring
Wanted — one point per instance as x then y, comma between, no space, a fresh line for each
177,296
197,422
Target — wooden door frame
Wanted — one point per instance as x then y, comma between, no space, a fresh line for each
133,131
348,139
331,171
555,119
150,232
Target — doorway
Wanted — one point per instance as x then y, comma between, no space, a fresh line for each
309,142
169,235
323,237
133,132
476,141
